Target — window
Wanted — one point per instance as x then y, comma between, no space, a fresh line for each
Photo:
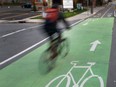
39,0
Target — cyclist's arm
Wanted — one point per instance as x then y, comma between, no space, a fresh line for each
61,17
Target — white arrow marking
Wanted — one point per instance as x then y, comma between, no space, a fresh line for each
94,45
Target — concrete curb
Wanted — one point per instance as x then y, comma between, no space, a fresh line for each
83,15
22,21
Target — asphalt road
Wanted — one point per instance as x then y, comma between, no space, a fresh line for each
15,38
109,12
16,13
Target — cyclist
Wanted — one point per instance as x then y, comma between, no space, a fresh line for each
50,27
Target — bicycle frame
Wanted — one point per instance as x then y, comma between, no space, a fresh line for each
69,76
85,67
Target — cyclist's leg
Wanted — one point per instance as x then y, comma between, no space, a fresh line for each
53,46
53,42
63,47
53,50
49,32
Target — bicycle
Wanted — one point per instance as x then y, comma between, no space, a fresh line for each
62,48
68,78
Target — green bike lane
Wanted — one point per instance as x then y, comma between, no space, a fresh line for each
25,71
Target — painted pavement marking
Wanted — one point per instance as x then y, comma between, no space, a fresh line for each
94,45
69,76
29,48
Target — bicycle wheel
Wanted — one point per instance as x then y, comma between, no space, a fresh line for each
63,48
88,83
45,64
60,81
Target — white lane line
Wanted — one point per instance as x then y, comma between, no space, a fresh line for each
18,54
19,31
32,28
76,22
105,13
86,23
1,63
13,33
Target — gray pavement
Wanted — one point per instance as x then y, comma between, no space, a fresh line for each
83,15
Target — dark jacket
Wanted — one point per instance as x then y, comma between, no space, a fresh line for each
51,27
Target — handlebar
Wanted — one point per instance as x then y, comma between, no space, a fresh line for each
91,63
74,62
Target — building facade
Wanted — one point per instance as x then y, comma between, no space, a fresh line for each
15,1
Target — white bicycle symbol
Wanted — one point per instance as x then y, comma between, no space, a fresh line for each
69,77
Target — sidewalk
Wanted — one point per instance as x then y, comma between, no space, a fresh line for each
83,15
